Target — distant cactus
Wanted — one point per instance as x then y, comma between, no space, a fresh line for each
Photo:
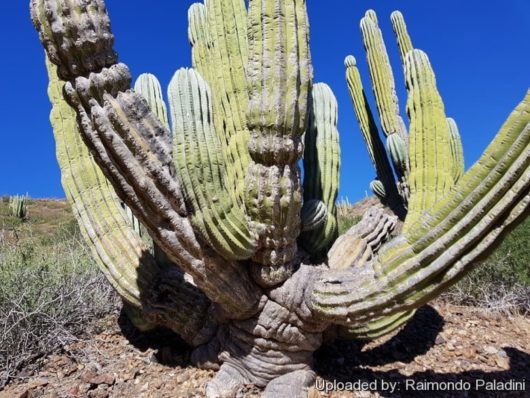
254,274
441,133
18,206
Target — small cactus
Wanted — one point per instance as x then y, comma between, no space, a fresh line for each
18,206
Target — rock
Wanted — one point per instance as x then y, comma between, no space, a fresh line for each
181,378
97,379
502,362
439,340
36,383
490,350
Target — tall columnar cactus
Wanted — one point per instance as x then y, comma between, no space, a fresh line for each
224,200
18,206
425,109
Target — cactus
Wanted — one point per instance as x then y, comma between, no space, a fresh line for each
256,275
410,163
18,206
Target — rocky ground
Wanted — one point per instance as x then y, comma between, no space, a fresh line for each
442,349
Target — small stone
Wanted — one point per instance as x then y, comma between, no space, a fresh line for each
439,340
181,378
97,379
490,350
502,362
38,383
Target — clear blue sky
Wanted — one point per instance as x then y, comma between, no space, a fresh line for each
479,49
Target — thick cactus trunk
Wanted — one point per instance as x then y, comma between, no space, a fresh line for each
222,195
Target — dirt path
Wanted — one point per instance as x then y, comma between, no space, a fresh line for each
442,349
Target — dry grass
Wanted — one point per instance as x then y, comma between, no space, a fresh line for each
50,289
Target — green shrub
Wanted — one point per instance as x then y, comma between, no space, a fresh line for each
502,282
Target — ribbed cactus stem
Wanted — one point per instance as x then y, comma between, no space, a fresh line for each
488,201
123,136
382,77
457,152
402,36
321,166
217,32
105,226
202,170
279,75
370,133
18,206
377,328
431,162
148,85
314,215
359,245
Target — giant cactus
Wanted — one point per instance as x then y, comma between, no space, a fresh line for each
248,279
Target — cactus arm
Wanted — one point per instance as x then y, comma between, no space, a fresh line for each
217,32
376,328
359,245
489,200
370,133
431,174
321,166
119,251
402,35
149,86
279,76
382,80
202,169
123,135
457,152
314,215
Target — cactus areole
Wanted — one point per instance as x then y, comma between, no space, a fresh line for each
246,265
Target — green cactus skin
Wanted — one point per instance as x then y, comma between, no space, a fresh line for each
457,152
321,166
217,32
118,249
274,192
378,188
314,215
370,133
402,35
148,85
459,231
375,275
399,153
378,328
431,165
382,77
202,170
124,137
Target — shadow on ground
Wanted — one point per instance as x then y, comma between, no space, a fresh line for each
170,349
346,362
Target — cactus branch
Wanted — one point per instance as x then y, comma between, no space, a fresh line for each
321,166
491,198
431,165
123,135
202,170
279,77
